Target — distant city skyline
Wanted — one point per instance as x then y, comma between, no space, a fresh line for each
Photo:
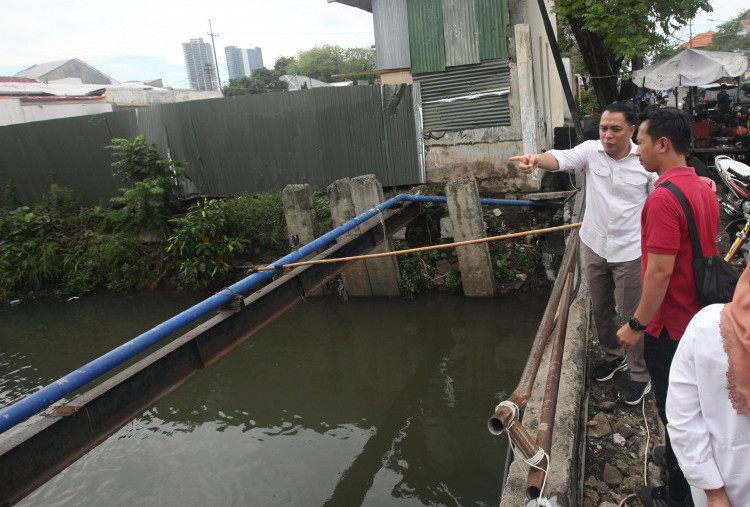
242,61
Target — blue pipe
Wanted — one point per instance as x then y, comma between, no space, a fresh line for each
38,401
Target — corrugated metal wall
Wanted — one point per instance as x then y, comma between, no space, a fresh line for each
460,29
426,40
472,96
391,24
493,18
447,33
67,151
229,146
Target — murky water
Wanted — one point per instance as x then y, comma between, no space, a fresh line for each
379,402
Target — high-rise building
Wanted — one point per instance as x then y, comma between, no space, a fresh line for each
242,61
200,65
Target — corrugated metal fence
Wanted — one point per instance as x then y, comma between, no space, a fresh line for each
229,146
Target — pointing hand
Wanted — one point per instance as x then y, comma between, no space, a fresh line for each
526,163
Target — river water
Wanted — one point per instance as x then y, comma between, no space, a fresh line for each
365,402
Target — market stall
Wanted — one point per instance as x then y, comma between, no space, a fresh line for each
715,131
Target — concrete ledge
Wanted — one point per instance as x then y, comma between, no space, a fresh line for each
566,460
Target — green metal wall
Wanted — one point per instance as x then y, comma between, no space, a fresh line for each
493,19
229,146
447,33
460,29
426,41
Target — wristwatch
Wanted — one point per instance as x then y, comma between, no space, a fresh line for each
635,325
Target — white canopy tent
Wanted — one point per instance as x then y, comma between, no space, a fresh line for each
691,67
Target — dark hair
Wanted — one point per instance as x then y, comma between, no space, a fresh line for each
723,86
669,122
625,109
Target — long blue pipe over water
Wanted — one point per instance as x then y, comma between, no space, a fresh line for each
40,400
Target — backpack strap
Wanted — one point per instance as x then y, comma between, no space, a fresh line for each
694,238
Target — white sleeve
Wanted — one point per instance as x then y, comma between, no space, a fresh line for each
574,158
687,429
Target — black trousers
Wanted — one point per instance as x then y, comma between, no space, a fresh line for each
659,353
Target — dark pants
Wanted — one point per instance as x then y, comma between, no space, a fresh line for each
659,353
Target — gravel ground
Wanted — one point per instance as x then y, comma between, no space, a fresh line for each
617,440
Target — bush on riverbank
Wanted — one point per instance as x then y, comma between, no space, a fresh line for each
153,240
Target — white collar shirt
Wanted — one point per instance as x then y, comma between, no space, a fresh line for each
710,439
616,191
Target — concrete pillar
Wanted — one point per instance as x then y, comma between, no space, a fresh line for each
356,281
299,212
474,261
367,192
526,97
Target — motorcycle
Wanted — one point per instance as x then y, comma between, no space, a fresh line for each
735,202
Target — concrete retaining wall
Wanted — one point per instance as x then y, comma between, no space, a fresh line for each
567,457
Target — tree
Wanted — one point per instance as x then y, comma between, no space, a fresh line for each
321,62
726,38
611,33
262,80
359,60
285,65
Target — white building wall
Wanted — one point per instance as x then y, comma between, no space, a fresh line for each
547,86
14,111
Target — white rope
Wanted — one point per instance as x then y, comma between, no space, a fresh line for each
645,452
513,407
533,462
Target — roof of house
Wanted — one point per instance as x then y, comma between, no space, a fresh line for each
365,5
41,70
37,89
13,79
744,27
701,40
296,82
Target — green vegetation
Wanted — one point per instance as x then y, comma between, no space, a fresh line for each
586,102
154,193
321,62
59,248
201,244
262,81
503,267
610,34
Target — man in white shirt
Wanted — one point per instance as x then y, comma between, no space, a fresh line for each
616,189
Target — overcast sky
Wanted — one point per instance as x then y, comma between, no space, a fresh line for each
141,40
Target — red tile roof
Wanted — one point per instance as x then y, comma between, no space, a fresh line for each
701,40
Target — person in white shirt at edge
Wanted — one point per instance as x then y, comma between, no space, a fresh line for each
708,402
617,187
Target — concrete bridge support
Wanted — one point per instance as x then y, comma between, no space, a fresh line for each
474,261
299,213
383,273
349,198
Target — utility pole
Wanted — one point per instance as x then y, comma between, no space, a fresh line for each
213,45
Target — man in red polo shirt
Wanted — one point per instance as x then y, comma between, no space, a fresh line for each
669,295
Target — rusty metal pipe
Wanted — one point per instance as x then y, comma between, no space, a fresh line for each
521,395
537,476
